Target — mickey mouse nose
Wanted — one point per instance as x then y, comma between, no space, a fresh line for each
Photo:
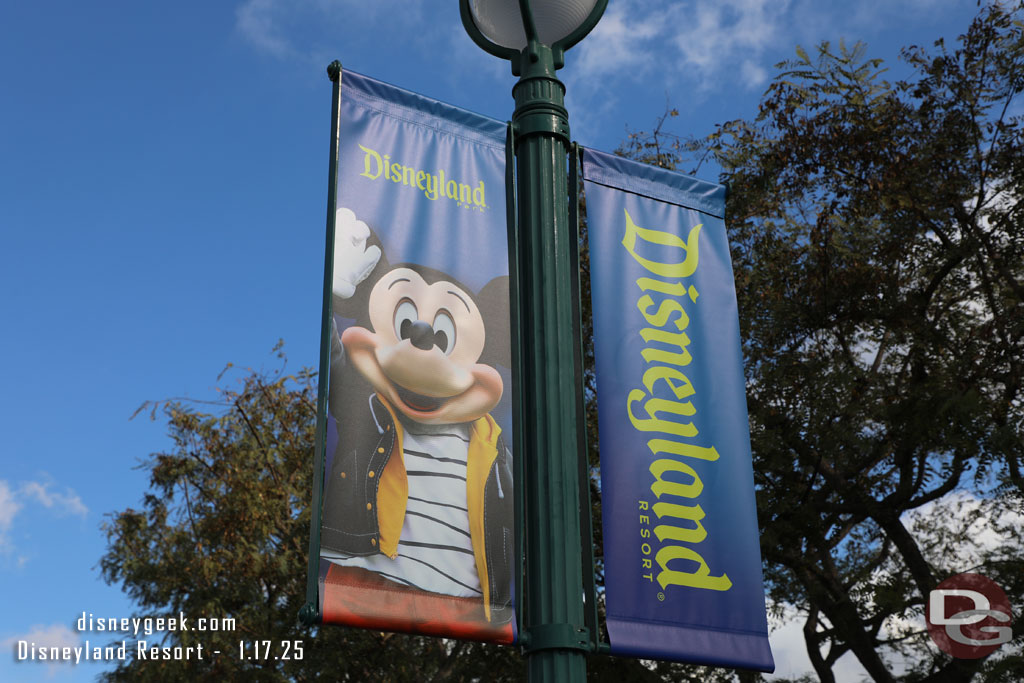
421,334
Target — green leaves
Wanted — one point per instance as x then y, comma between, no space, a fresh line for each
869,318
223,532
877,236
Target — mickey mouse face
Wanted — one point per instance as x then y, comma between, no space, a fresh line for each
424,335
423,351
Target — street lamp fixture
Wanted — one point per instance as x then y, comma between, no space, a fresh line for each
534,35
505,28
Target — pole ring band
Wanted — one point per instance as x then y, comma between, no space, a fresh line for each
528,125
557,637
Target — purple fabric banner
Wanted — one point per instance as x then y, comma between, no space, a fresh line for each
682,562
418,521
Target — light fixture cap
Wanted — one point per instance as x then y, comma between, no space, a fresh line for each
558,23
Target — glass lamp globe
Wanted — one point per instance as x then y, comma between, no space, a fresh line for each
502,23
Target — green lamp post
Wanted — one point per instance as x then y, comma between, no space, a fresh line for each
534,35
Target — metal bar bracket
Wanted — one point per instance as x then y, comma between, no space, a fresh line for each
556,637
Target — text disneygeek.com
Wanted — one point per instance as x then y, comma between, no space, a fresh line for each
139,649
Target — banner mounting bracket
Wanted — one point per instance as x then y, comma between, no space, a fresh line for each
556,637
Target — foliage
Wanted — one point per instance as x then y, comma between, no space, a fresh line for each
223,532
878,245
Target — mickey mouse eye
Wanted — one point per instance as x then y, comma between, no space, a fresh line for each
405,315
444,332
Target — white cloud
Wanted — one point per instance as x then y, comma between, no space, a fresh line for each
960,531
66,503
752,74
690,49
300,28
702,45
9,507
712,44
712,35
258,22
464,51
612,46
54,635
956,533
707,40
14,500
789,649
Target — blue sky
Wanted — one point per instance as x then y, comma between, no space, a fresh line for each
162,198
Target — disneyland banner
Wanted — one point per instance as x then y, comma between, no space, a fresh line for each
417,530
683,567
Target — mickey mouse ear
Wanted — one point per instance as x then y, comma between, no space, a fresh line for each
494,307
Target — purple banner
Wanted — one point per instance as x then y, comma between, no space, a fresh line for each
682,562
418,520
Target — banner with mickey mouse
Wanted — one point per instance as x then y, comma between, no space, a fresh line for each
417,531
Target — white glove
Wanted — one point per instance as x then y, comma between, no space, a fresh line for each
353,261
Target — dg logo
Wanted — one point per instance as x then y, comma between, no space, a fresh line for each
969,616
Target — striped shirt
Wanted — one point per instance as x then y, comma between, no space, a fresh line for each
435,552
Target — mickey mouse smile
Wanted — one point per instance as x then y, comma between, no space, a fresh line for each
419,402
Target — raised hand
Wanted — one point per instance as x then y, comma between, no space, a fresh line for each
353,260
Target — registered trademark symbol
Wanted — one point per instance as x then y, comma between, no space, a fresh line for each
661,597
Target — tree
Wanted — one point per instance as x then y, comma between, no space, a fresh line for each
877,232
878,245
223,532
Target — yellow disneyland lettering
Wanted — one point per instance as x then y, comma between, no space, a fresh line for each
698,579
433,185
664,406
371,158
684,268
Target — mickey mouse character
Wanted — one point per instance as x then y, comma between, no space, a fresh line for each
418,512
